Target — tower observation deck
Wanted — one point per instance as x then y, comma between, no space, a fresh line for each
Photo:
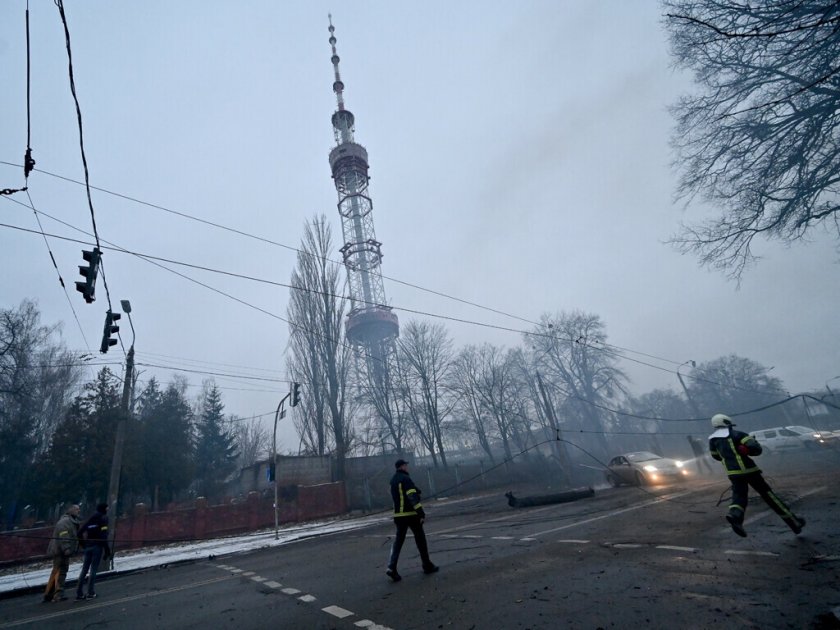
370,322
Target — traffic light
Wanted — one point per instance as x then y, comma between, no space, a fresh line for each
110,329
88,287
295,394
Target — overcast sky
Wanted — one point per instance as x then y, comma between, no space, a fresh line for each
519,160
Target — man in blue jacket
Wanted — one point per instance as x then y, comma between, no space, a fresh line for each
735,449
94,535
408,514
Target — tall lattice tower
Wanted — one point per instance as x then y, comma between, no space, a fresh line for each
371,325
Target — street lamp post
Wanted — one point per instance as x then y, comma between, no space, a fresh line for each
119,442
280,413
685,389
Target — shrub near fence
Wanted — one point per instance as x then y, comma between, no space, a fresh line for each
202,521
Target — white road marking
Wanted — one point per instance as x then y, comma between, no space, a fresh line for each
502,537
471,536
574,541
676,548
307,598
528,539
337,611
236,571
273,584
258,578
291,591
655,501
623,545
248,574
738,552
370,625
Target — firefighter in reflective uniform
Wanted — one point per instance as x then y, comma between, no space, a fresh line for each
408,514
735,449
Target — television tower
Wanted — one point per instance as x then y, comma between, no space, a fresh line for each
371,326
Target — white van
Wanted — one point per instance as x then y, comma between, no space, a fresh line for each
786,438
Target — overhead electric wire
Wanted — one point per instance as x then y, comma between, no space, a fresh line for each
327,259
60,5
28,165
153,260
606,347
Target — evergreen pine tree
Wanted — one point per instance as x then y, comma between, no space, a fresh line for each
215,448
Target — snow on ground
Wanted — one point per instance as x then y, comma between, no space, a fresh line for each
177,552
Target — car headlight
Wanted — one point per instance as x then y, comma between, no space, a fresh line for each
650,468
679,464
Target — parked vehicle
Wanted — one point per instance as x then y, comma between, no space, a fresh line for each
644,468
787,438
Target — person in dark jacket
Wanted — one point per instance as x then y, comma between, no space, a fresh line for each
408,514
63,544
94,537
735,449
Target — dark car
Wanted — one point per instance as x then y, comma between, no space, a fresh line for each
644,468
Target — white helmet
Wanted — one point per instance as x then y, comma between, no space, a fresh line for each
720,421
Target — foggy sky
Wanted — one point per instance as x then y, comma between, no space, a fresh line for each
519,160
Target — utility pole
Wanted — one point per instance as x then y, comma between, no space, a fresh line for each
559,447
119,444
685,389
119,441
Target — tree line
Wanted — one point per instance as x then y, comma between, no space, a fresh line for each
57,432
484,400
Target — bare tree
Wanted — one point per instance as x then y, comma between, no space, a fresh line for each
38,378
252,440
424,360
570,348
760,140
320,356
467,383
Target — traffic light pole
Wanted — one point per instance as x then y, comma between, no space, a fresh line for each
281,413
119,443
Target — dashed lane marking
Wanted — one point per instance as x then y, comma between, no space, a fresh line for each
527,539
370,625
337,611
248,573
739,552
307,598
258,578
678,548
291,591
236,570
502,537
624,545
272,584
574,541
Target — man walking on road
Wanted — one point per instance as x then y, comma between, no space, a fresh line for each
408,514
63,544
735,450
94,534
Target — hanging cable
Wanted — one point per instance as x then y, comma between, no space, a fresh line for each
60,5
28,162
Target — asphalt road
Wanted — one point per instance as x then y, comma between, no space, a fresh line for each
660,557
